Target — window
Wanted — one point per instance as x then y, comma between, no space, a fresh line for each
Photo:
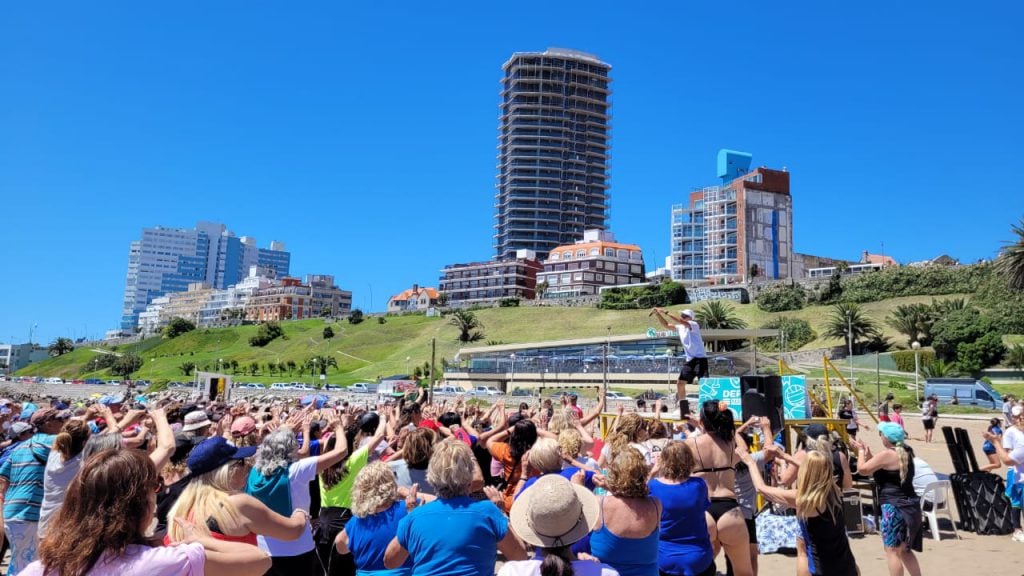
595,252
581,253
610,252
622,253
554,255
577,276
567,255
566,278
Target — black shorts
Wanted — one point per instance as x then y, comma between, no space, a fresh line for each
752,529
929,424
694,368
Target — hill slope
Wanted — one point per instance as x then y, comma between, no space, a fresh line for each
368,350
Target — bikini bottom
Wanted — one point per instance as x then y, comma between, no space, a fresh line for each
719,506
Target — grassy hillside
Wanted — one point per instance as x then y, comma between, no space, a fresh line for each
368,350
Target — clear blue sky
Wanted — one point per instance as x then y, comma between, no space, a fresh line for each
363,134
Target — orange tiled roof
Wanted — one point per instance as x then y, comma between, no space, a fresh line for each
599,244
432,294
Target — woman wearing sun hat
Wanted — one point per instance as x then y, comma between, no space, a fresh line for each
553,515
893,471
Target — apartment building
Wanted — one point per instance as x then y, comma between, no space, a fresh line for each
582,268
294,300
186,304
490,281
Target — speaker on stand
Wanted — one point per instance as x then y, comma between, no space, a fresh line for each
762,396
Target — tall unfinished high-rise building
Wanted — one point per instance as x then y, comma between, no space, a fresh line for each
739,231
553,151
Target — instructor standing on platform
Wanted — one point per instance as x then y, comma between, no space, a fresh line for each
696,366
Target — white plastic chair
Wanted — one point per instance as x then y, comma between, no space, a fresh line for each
938,494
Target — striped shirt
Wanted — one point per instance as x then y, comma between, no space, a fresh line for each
24,472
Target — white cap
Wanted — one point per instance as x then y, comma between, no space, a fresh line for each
1016,411
687,312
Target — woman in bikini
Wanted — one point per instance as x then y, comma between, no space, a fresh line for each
716,464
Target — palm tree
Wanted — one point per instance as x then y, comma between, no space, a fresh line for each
61,346
913,321
1015,356
719,315
1010,263
470,329
847,321
939,369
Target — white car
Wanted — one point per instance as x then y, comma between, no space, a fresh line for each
301,386
362,388
253,385
485,391
449,390
113,382
280,386
54,381
613,395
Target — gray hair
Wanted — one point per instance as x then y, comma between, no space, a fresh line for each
277,451
99,442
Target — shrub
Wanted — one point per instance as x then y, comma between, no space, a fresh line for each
100,362
960,326
355,317
781,298
265,334
639,297
328,333
904,359
508,303
381,320
178,326
913,281
797,332
896,384
973,357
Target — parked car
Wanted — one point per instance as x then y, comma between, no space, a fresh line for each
449,390
362,388
281,386
521,392
485,391
113,382
78,381
142,383
650,395
333,387
613,395
967,391
94,381
54,381
301,386
253,385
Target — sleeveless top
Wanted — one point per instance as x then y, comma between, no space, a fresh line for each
889,486
629,556
683,545
828,549
369,537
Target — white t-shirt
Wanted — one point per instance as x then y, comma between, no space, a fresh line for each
56,479
1013,441
137,560
300,474
693,344
579,568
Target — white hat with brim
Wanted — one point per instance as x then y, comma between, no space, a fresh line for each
553,512
195,421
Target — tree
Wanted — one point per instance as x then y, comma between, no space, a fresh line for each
1015,357
126,364
781,298
326,311
291,367
959,327
61,346
846,320
720,315
328,333
1010,263
266,333
973,357
319,364
234,366
187,368
355,317
254,367
470,329
939,369
178,326
542,287
913,321
272,368
796,333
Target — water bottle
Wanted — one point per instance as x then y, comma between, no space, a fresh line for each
599,491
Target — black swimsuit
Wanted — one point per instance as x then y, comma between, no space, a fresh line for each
720,504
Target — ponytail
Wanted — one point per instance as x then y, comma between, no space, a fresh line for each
72,438
717,421
904,456
557,562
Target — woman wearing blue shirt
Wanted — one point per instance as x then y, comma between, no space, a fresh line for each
457,534
684,548
376,514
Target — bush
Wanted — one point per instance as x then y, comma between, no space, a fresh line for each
355,317
904,359
265,334
896,385
100,362
973,357
328,333
1004,306
508,303
913,281
381,320
959,326
781,298
640,297
178,326
798,333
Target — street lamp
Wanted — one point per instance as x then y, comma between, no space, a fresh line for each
917,368
219,362
849,340
407,372
512,379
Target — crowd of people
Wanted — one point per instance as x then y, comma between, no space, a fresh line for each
415,487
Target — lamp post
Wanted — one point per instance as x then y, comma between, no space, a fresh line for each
849,340
512,379
917,369
31,331
219,362
407,372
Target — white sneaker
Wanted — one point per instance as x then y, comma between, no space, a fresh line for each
1018,536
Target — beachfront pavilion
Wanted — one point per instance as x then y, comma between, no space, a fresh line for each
641,362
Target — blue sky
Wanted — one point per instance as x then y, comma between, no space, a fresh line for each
363,134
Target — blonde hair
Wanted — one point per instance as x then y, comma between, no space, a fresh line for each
904,457
374,487
206,496
544,456
816,489
570,442
564,419
450,471
631,426
627,475
676,461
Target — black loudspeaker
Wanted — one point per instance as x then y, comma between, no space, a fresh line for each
762,396
853,513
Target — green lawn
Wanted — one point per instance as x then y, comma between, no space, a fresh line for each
368,350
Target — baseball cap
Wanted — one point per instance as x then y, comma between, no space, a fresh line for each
214,453
243,426
1016,411
43,416
815,430
687,312
19,428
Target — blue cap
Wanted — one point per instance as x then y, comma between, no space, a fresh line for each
892,432
27,410
214,453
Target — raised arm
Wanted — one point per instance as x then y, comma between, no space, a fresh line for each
340,450
777,495
596,412
165,444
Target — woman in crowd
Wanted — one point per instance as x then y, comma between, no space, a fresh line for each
684,547
62,465
552,516
995,432
627,531
929,416
376,511
817,437
215,503
716,457
822,546
1010,450
455,535
630,433
848,413
282,483
893,471
336,482
410,463
101,529
521,433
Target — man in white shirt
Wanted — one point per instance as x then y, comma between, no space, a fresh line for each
1011,453
696,366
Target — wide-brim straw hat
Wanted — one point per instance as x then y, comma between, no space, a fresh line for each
553,512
